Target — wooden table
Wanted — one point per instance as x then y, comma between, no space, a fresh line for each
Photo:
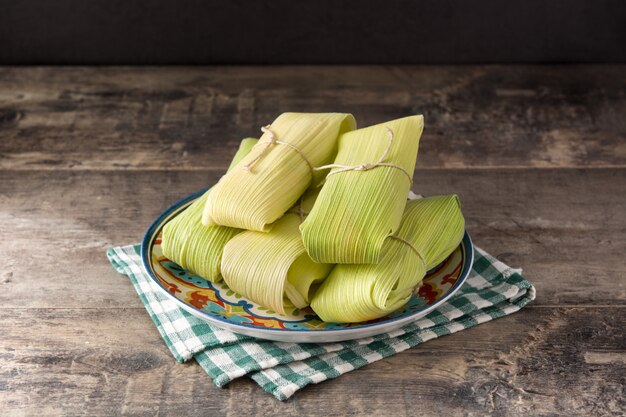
89,156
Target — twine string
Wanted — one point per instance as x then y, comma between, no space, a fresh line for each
410,245
368,165
274,141
301,211
298,209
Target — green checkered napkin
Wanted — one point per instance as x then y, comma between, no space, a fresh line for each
491,291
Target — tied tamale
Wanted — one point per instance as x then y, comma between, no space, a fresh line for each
431,229
363,198
271,179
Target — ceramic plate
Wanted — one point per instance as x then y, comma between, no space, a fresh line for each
222,307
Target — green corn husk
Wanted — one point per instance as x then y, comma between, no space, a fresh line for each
357,210
354,293
272,268
192,245
254,198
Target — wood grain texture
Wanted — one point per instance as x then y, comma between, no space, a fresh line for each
521,365
567,228
192,118
90,156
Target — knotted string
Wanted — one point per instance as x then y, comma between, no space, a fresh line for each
273,141
301,211
298,209
410,245
367,166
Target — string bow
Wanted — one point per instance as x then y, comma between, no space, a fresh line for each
272,140
368,165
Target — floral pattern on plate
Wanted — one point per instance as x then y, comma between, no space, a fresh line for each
219,305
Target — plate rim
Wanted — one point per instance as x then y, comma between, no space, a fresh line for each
310,335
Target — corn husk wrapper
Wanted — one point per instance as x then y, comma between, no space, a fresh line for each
279,175
357,210
272,268
192,245
355,293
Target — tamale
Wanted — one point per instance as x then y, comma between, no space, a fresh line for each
363,198
267,182
272,268
431,229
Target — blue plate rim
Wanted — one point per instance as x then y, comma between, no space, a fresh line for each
146,249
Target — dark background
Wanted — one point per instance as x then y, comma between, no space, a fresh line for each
311,32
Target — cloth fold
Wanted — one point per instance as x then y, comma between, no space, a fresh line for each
492,290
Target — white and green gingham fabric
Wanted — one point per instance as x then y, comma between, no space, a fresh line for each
491,291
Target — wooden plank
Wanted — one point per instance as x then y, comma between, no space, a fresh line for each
192,118
540,361
566,228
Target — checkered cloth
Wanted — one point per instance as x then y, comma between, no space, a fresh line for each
491,291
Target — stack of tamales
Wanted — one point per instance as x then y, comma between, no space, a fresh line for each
316,213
